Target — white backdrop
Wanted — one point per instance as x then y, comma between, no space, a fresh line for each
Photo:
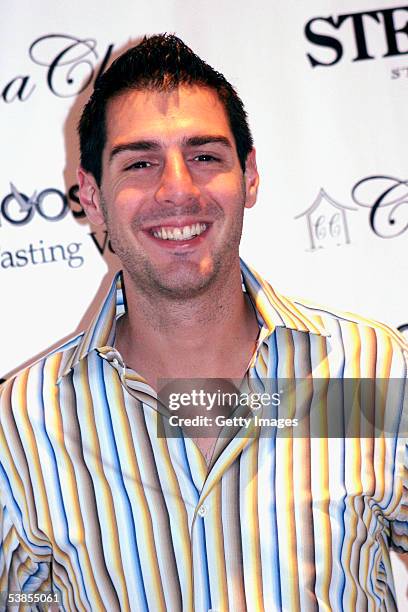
325,85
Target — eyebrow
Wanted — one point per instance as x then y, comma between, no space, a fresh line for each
154,145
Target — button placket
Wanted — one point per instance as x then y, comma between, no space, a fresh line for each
113,357
202,510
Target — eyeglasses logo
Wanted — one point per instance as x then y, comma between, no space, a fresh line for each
51,204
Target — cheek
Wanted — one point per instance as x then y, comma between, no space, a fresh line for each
125,204
227,186
120,188
127,197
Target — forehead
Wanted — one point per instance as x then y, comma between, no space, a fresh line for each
173,114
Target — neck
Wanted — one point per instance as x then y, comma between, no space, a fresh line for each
208,336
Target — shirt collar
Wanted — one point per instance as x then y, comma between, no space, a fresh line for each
273,310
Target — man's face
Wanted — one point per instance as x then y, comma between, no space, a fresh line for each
173,192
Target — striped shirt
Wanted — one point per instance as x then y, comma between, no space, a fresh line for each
97,508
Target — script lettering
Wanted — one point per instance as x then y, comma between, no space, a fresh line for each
387,199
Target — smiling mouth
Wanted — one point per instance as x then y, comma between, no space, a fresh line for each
186,232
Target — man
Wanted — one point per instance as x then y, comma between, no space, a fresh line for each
99,508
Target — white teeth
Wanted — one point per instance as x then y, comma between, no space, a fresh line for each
180,233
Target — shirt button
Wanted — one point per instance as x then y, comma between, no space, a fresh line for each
202,511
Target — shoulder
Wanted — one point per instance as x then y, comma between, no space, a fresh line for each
38,379
354,333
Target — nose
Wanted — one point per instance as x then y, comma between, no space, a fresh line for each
176,185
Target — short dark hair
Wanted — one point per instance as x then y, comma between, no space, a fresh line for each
161,62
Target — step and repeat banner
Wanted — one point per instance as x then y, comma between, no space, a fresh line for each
325,84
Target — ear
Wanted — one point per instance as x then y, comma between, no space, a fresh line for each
251,178
90,197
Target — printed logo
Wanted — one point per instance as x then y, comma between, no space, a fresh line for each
326,221
69,67
50,204
386,197
357,34
403,329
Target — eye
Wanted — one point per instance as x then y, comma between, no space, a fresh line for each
139,165
205,157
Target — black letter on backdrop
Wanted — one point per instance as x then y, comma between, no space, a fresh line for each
323,41
66,57
333,43
102,246
391,32
20,90
73,195
359,34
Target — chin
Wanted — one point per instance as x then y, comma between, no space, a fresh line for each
180,280
184,286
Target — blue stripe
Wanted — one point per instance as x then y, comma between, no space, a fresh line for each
203,540
43,433
17,510
129,524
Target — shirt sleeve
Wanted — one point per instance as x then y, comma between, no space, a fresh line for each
18,571
399,526
20,568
